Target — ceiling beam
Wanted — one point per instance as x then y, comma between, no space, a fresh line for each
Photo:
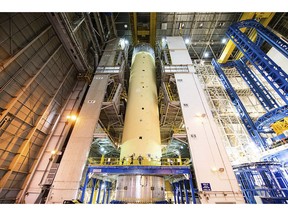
153,17
99,26
230,45
114,26
133,23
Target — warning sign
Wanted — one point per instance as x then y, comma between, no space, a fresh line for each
206,186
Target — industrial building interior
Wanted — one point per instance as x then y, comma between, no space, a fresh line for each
223,111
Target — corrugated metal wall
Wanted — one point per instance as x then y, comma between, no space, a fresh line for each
34,88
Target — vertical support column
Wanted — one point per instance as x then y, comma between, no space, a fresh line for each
180,191
269,181
84,187
185,191
192,189
104,194
174,193
108,184
177,192
249,178
68,177
92,191
248,187
99,191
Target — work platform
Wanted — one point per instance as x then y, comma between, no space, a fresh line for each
105,170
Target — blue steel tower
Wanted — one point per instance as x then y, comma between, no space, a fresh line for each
270,173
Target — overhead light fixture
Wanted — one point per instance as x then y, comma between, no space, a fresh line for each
126,42
102,149
187,41
125,26
71,117
181,25
224,40
206,54
221,24
201,25
163,26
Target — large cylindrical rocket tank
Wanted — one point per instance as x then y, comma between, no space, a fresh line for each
141,134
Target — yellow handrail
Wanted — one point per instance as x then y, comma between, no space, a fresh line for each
111,161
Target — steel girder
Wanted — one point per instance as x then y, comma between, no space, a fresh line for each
248,123
269,118
265,34
273,74
259,90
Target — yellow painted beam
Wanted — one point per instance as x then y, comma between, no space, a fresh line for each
230,45
265,20
153,17
281,126
133,23
143,32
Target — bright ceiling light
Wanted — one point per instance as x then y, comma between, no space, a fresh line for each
187,41
206,54
224,40
126,42
73,117
125,26
102,149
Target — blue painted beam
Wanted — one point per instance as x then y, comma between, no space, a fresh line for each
160,170
177,192
270,117
185,191
108,186
174,192
247,121
84,188
258,89
104,193
99,191
192,188
92,190
180,191
265,34
273,74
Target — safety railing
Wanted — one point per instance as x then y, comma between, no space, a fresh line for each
111,161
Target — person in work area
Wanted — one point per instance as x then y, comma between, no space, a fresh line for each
131,158
140,158
123,160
